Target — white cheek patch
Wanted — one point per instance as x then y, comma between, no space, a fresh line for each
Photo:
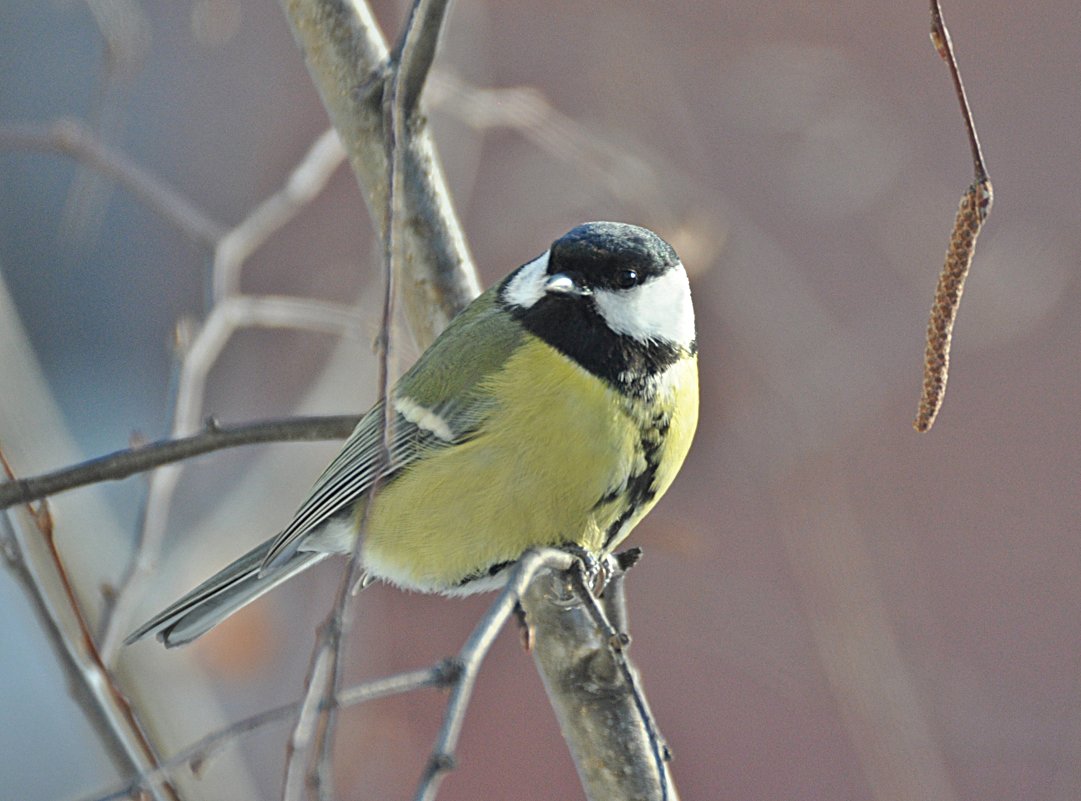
527,285
659,309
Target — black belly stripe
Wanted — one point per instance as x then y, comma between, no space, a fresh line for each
488,572
641,489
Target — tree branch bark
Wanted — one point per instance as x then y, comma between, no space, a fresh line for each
604,717
347,58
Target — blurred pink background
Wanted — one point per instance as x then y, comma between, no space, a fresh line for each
831,606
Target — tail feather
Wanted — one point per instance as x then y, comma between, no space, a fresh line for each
219,596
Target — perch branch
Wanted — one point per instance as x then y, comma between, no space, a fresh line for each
594,690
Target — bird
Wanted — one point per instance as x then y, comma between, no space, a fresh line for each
554,411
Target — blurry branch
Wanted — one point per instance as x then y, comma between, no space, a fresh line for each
628,177
35,562
602,714
973,211
302,186
853,630
125,40
137,459
226,317
639,177
201,349
197,756
348,62
202,344
72,138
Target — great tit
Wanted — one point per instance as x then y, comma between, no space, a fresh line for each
554,411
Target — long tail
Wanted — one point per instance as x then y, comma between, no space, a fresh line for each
222,594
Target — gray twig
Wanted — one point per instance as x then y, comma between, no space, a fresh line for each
124,463
196,755
472,655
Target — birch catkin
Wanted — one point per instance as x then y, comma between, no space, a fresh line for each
975,206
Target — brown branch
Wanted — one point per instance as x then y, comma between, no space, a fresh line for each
130,461
973,211
940,38
92,684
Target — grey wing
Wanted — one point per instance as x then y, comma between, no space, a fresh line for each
362,461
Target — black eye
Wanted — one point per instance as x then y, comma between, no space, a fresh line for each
626,278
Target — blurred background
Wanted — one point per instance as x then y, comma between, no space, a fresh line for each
830,605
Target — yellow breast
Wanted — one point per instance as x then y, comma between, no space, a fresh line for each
556,442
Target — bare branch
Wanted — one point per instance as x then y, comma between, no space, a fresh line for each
53,598
594,690
198,754
313,735
226,317
525,574
940,38
72,138
347,58
128,462
303,185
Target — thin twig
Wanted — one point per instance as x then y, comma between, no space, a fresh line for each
199,753
124,463
971,215
316,708
311,745
638,180
226,317
460,672
72,138
472,655
940,37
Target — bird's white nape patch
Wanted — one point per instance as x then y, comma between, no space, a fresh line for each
527,285
659,310
423,417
